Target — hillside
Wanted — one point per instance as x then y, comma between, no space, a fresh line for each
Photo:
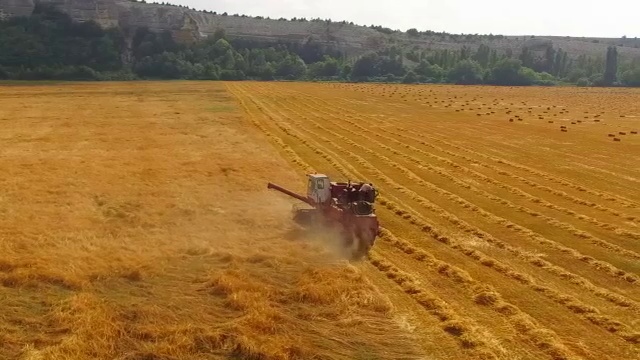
353,40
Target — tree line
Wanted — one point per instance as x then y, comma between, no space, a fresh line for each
49,45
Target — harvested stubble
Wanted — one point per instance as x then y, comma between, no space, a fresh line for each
466,194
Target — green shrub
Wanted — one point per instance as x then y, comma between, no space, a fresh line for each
583,82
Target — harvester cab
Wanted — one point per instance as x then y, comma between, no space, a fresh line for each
319,188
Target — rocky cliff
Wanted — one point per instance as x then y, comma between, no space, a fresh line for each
189,25
10,8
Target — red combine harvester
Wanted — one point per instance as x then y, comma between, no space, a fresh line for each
348,206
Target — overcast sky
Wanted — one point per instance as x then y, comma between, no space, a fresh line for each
603,18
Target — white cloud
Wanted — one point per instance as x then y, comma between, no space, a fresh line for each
612,18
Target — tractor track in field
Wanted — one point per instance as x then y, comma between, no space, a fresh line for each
501,201
558,180
452,323
504,222
545,340
463,328
626,203
537,261
517,191
482,130
579,234
604,174
493,125
577,307
272,115
484,295
346,113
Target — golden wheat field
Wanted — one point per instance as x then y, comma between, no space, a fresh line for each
135,222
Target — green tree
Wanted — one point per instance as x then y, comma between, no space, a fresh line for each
228,61
365,67
549,59
506,72
211,71
410,78
575,74
324,69
511,72
482,55
559,63
390,78
583,82
413,32
413,55
526,57
345,72
331,67
240,63
631,77
267,73
428,72
611,66
545,79
466,72
528,76
82,73
219,34
228,75
162,66
292,67
49,38
597,79
258,59
221,47
493,58
390,65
